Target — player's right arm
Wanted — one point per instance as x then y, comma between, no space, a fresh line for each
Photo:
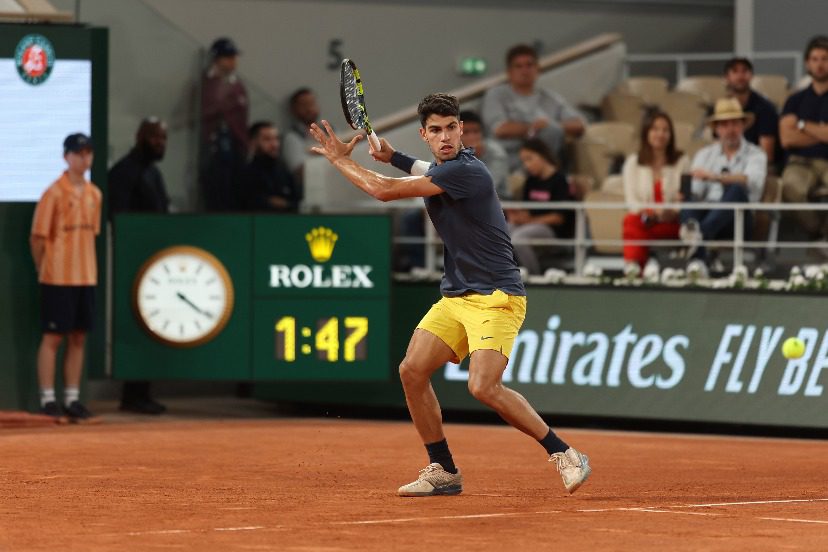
379,186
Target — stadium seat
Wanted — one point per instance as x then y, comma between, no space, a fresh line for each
773,87
649,89
606,224
602,146
709,87
685,132
623,107
687,107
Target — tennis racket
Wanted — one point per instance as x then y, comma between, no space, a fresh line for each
353,101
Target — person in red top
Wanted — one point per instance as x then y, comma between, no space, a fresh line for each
66,220
653,175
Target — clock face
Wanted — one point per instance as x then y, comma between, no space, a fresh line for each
183,296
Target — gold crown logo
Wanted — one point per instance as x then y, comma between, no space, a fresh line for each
321,242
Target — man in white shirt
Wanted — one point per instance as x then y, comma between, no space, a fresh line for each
732,170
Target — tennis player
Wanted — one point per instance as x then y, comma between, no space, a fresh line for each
483,299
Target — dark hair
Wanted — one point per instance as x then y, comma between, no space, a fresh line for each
471,117
819,42
645,151
520,50
541,148
257,127
438,104
732,63
297,93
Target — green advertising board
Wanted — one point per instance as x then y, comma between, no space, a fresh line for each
238,297
690,355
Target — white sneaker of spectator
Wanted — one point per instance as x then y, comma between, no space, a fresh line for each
696,270
652,270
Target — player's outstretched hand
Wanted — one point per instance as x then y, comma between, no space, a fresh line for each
385,152
329,143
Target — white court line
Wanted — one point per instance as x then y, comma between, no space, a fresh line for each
251,528
435,518
747,503
796,520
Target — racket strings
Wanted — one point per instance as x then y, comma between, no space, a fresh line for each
352,100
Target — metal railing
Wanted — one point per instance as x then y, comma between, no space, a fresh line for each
681,60
582,242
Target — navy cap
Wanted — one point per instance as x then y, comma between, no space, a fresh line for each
224,47
77,142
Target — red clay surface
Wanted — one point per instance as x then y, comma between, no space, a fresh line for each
300,485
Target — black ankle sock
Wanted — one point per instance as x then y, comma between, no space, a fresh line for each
439,453
552,443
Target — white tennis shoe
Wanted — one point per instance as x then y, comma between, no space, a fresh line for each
573,467
434,480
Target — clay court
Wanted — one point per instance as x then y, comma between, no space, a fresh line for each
305,484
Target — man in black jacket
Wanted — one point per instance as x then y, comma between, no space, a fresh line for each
136,185
266,182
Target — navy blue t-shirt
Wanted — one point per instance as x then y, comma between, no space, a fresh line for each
807,105
478,254
766,121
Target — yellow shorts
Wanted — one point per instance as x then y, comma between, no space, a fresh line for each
474,321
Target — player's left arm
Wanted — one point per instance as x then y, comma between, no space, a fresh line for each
379,186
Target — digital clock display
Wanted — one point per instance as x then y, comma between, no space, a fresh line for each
321,339
331,339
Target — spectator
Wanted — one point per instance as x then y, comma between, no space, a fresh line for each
731,170
136,185
804,135
653,175
487,150
544,182
304,110
764,132
518,109
224,112
66,220
266,182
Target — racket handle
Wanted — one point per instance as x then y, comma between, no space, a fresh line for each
375,143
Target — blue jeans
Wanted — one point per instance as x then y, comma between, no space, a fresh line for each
717,224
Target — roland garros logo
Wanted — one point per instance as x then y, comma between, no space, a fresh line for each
34,58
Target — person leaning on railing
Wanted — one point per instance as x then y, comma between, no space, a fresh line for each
653,175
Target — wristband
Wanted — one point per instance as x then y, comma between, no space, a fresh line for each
402,161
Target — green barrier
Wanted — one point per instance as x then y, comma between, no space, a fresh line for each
654,354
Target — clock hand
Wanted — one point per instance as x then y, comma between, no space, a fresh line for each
198,310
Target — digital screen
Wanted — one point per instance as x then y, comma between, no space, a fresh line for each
34,121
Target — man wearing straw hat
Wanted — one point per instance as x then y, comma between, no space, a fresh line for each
731,170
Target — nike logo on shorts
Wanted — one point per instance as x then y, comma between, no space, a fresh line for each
486,337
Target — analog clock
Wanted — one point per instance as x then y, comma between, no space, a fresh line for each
183,296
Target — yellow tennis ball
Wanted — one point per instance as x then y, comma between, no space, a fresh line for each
793,348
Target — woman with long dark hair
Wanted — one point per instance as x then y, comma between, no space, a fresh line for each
653,175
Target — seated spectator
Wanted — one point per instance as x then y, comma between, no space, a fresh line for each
266,182
304,110
487,150
518,109
544,182
653,175
764,132
804,135
731,170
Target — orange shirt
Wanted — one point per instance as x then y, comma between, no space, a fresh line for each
69,218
